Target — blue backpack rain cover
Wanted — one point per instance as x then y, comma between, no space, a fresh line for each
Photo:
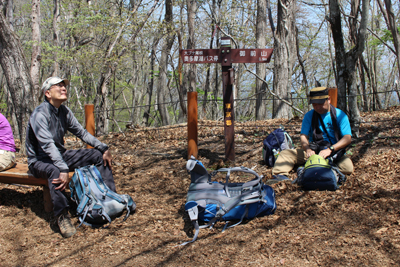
97,204
210,202
275,142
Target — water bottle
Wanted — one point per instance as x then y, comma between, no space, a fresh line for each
275,152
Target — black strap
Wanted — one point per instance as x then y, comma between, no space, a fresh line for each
324,128
277,140
335,123
318,136
317,133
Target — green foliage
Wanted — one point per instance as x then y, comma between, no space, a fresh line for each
386,37
87,34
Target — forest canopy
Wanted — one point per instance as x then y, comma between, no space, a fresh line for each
123,57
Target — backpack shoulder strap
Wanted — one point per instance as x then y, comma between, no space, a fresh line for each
276,137
233,169
234,201
338,135
317,119
335,123
241,169
316,131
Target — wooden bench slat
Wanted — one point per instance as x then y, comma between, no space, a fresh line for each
28,180
20,174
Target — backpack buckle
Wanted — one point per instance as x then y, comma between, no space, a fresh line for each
191,208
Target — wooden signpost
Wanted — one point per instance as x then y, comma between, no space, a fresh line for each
226,57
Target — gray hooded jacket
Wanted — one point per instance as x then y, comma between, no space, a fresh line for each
45,134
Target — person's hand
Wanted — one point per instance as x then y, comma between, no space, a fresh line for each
325,153
310,152
107,158
63,180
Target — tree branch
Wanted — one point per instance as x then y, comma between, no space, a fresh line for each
374,34
261,79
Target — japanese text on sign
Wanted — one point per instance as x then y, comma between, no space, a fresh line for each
228,114
196,56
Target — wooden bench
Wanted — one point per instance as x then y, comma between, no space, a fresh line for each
20,174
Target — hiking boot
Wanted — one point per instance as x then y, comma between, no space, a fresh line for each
278,178
67,229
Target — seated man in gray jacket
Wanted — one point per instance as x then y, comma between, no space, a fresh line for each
47,156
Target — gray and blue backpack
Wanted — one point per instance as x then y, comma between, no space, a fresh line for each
210,201
97,203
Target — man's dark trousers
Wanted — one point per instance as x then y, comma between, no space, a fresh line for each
74,159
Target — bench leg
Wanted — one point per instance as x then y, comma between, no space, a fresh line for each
48,204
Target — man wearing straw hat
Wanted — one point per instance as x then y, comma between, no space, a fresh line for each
325,130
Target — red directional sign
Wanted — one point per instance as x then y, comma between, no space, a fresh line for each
215,55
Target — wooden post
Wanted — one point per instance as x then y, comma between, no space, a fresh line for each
192,125
333,94
48,204
89,120
229,118
228,77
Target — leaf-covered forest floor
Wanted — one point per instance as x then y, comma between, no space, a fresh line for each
357,225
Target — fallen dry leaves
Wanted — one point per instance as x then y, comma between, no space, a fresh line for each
358,225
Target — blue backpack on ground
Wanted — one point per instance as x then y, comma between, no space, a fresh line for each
210,202
275,142
97,204
319,174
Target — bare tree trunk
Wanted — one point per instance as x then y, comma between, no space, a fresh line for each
261,28
207,85
16,71
353,57
363,87
7,7
217,85
335,20
181,88
375,100
150,85
390,19
101,103
329,31
36,50
139,88
191,7
349,61
134,91
162,80
396,88
217,88
56,33
10,109
284,56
